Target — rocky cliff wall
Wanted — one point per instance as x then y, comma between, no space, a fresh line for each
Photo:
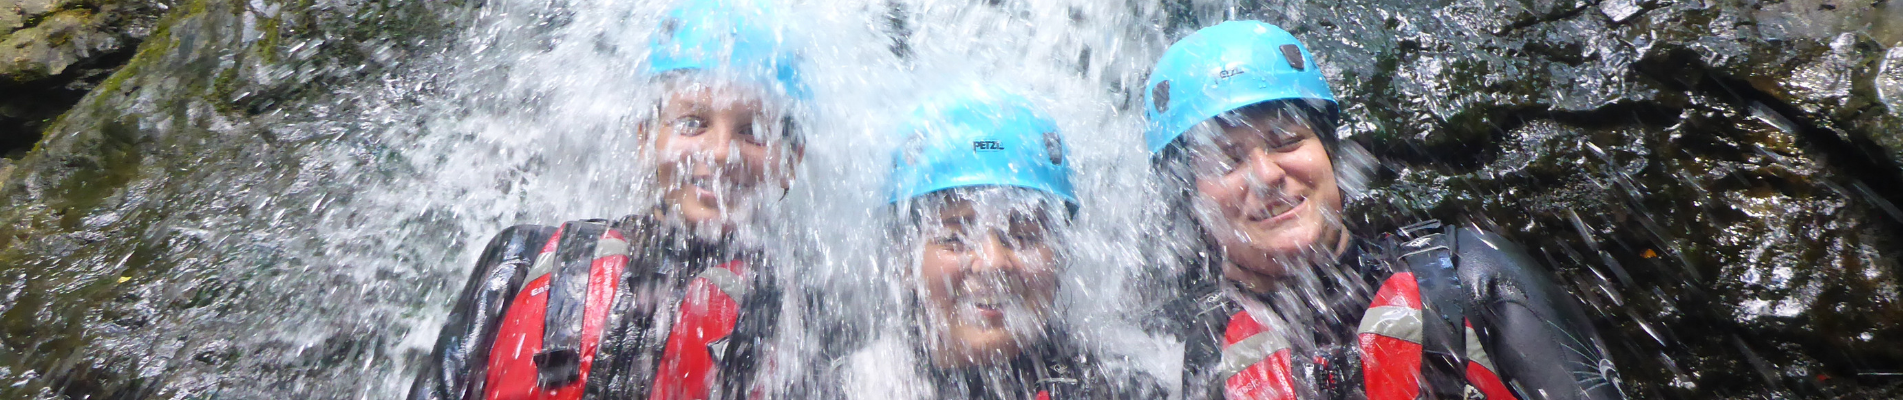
54,51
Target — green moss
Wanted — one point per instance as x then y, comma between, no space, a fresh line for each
267,46
155,47
222,92
115,161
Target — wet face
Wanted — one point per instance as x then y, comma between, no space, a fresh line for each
986,278
720,151
1266,193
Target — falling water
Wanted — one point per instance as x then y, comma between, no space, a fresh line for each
326,271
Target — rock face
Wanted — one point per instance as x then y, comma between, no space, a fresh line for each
54,51
113,251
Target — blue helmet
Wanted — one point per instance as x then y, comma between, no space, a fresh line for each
980,138
1231,65
726,36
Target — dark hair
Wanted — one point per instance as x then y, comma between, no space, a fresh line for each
1172,163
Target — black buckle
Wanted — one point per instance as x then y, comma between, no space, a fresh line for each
559,361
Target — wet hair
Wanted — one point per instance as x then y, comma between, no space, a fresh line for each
1320,116
1173,163
910,215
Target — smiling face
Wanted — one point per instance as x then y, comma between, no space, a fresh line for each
720,151
986,276
1266,192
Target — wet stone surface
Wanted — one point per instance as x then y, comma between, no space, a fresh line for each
54,51
137,235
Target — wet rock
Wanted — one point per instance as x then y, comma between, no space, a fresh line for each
1825,81
1620,10
59,40
1889,81
115,219
54,51
1886,122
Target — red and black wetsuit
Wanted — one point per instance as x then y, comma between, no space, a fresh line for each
626,310
1492,325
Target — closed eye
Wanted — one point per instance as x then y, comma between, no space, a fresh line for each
1020,240
1286,143
950,242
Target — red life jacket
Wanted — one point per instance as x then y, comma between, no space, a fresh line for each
706,315
1256,362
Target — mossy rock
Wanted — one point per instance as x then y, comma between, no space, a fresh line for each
96,237
53,51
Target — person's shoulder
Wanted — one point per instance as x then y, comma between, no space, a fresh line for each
516,242
1471,235
522,231
1487,248
544,231
1501,268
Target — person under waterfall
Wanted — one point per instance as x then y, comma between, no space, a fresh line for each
1282,301
663,304
981,197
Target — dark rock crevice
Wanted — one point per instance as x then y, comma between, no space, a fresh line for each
1856,154
52,52
28,108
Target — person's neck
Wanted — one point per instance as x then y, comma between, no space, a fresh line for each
945,359
938,351
687,238
1325,256
977,376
